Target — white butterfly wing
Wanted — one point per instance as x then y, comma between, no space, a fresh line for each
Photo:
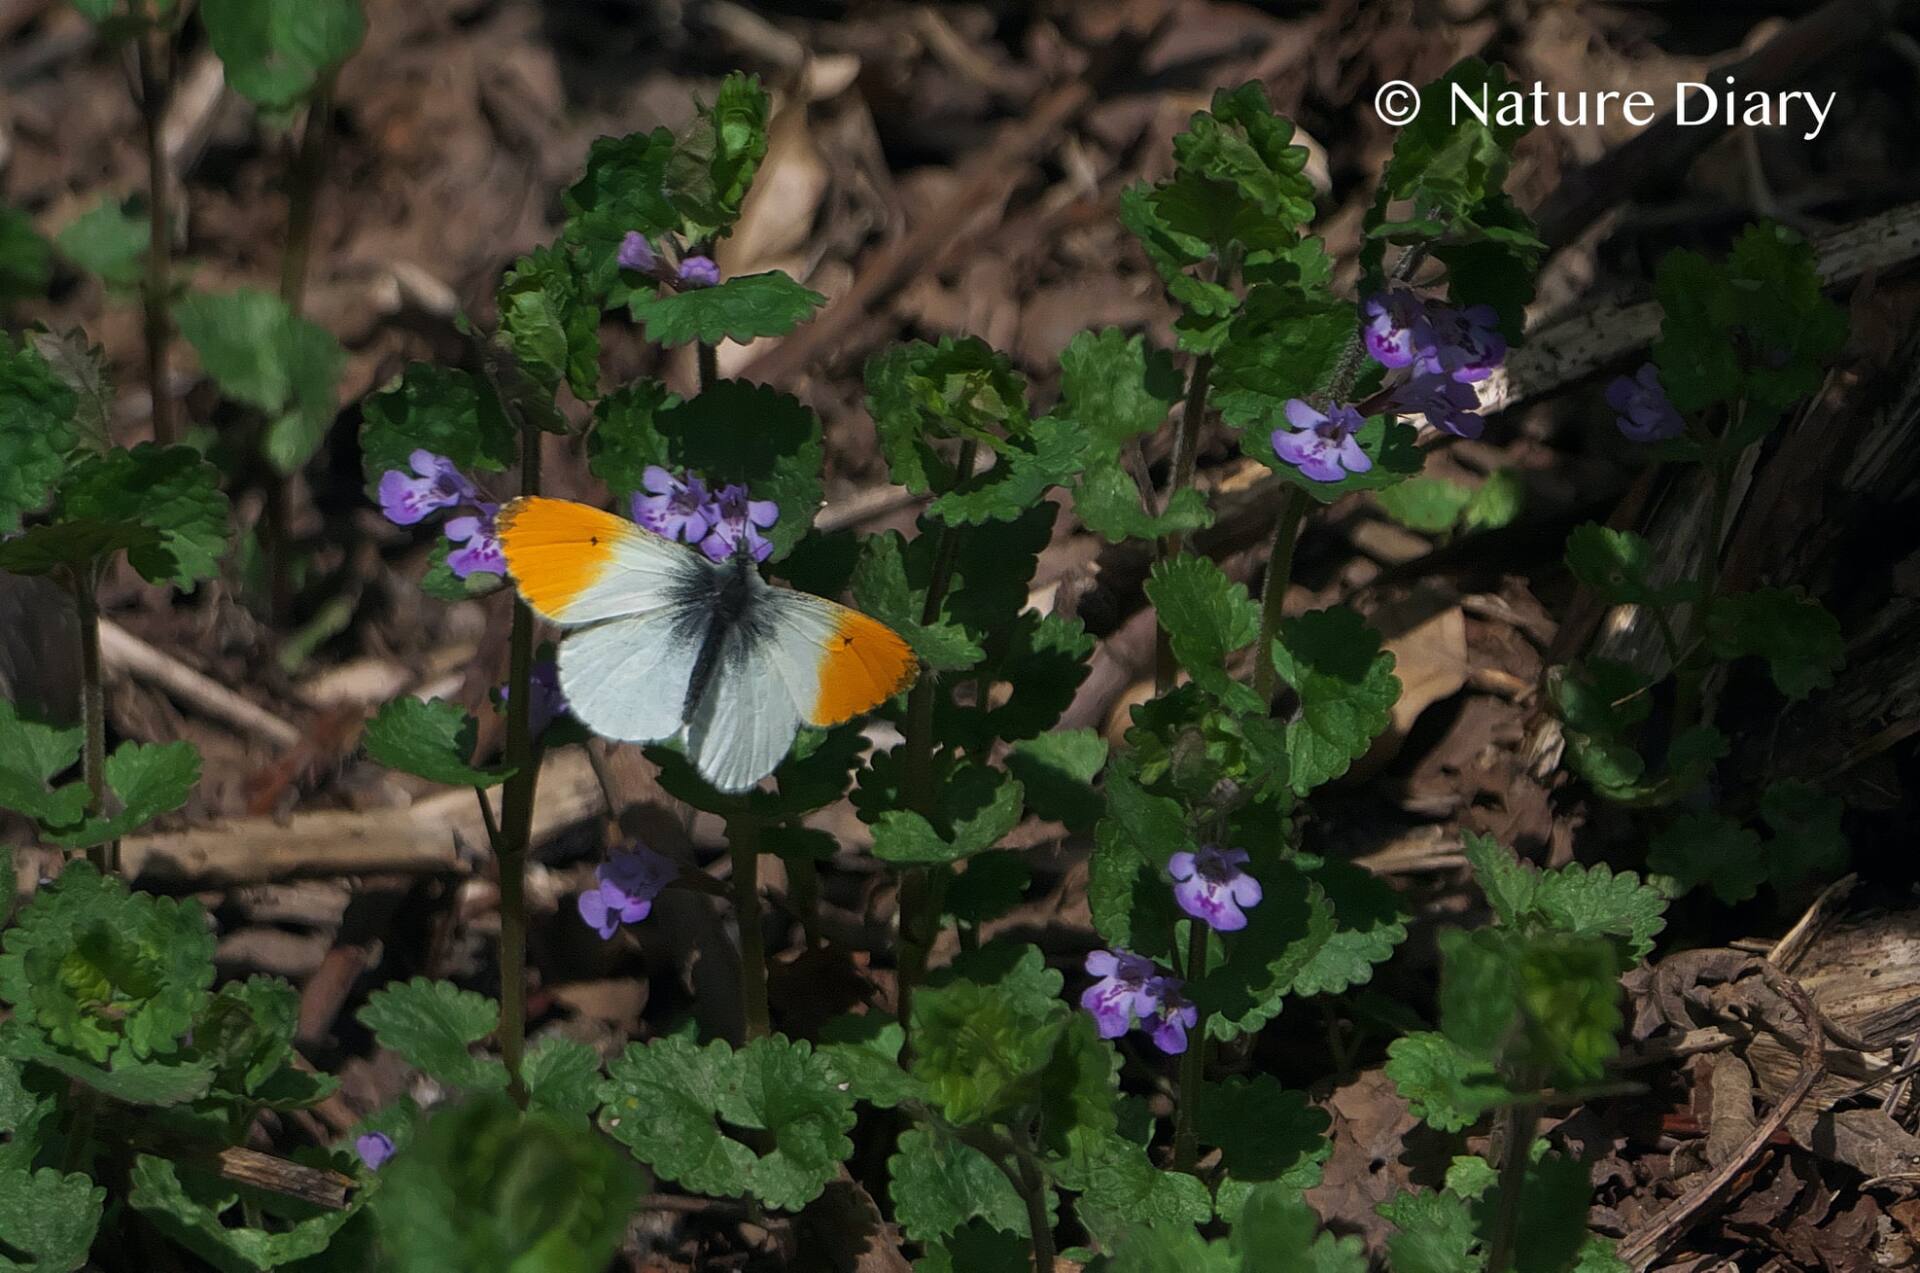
627,678
576,564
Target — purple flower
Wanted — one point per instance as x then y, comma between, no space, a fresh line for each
408,500
1324,447
1121,993
1212,885
1396,328
374,1148
676,508
1172,1017
699,271
1466,343
738,520
628,883
1646,413
636,253
1447,404
479,551
545,701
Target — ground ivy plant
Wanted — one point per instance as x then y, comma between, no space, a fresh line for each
1008,1093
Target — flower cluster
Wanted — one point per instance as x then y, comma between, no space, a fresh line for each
637,254
432,486
628,883
1132,990
1646,413
1443,349
720,523
1213,886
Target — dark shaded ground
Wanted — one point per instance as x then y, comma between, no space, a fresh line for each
998,138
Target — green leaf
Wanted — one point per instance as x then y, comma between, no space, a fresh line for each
1369,921
1469,1176
626,437
714,160
742,308
737,431
1207,617
432,740
1126,887
1543,1003
49,1220
977,1247
263,354
1577,900
938,1185
26,259
438,409
551,322
109,239
1445,161
862,1053
484,1186
1114,391
1159,1248
1057,770
1807,839
22,1111
1347,690
622,189
1619,565
1511,885
1435,1234
883,588
187,1205
276,51
162,505
562,1075
158,1083
1249,978
1276,1232
36,431
981,1042
1286,343
975,808
433,1025
1431,505
1707,848
247,1032
919,393
31,756
104,972
147,780
1498,502
1025,468
1264,1132
82,367
666,1101
1120,1188
1441,1083
1551,1213
1797,636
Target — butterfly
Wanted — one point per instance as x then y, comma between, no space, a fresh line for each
667,642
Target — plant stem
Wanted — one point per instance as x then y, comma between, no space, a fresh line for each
1273,593
1193,1063
743,838
920,888
1515,1152
1033,1191
1687,695
150,51
1186,450
516,811
93,711
709,356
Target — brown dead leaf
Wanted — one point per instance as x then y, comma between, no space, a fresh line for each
1369,1132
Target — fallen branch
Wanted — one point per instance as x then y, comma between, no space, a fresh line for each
122,651
423,839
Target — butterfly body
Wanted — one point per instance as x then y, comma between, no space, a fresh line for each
666,642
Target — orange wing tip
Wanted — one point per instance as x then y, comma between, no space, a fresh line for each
865,664
556,548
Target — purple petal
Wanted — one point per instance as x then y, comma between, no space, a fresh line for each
1181,865
699,271
1351,457
1302,416
636,253
659,481
1245,890
595,911
374,1148
1102,963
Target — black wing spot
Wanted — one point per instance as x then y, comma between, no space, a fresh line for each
593,539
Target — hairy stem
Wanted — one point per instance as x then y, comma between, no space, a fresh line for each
1186,449
1518,1122
1273,593
922,888
516,811
156,89
93,712
1193,1063
743,839
709,358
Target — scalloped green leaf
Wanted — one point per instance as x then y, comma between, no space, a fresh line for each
742,308
1347,690
36,431
432,740
434,1025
